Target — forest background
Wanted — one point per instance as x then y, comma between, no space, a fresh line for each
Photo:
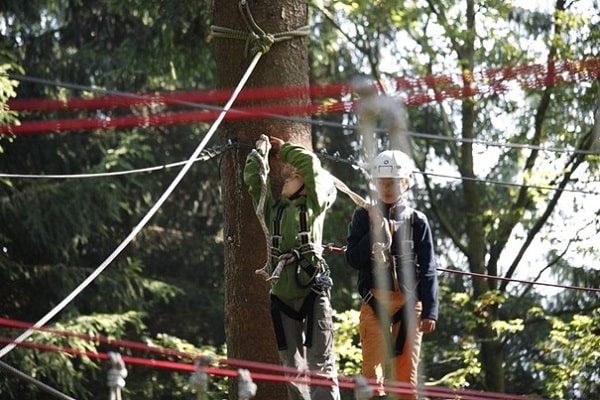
502,104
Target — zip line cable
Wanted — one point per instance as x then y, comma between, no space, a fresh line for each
210,153
341,250
144,220
213,152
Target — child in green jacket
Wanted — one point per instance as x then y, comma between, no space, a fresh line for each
300,303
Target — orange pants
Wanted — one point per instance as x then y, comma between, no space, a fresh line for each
375,337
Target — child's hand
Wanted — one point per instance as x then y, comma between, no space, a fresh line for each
262,145
276,143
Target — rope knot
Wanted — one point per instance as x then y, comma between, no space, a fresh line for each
262,44
256,37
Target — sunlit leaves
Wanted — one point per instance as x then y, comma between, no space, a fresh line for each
347,343
572,354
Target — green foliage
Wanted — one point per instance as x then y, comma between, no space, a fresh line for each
571,357
347,343
7,91
450,355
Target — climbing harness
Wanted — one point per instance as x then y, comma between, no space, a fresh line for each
318,278
400,266
257,40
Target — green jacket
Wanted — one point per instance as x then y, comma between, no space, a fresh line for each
320,195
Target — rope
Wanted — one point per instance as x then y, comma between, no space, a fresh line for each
265,146
381,247
257,40
40,385
144,220
344,382
206,155
356,198
282,261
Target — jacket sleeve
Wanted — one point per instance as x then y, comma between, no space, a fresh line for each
358,241
252,177
317,181
428,285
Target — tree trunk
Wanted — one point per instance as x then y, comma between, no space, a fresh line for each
248,326
492,357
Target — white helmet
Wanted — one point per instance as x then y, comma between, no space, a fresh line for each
392,164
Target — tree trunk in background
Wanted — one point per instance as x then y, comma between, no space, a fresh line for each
248,323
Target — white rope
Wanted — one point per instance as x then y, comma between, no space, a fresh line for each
59,307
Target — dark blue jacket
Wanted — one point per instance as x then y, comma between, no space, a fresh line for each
359,246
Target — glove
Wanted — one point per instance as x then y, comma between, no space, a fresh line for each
263,145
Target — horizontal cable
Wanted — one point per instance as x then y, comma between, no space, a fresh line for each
344,382
341,250
322,154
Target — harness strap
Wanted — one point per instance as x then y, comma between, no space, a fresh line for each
306,312
398,317
303,234
276,236
304,230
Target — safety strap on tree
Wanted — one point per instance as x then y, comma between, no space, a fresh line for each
257,40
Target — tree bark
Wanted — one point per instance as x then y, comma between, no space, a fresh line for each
492,357
248,326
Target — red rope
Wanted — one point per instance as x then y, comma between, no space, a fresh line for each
344,382
419,91
184,117
178,98
315,379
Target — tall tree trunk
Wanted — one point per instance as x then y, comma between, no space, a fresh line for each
248,324
492,357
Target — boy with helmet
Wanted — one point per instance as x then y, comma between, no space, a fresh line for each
391,246
300,300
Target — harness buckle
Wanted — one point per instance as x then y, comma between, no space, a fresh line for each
367,297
